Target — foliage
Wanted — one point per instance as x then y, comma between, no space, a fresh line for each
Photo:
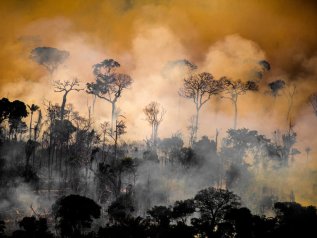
49,57
73,213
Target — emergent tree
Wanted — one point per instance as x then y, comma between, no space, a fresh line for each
49,57
109,84
233,89
199,88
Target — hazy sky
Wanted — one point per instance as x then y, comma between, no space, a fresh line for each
223,37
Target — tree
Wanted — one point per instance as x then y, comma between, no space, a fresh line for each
241,219
14,112
33,108
33,228
264,66
275,87
313,102
161,215
199,88
307,150
5,106
73,213
49,57
213,204
66,87
2,228
295,220
109,84
291,90
233,89
154,116
183,209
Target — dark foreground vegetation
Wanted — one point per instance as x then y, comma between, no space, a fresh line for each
211,213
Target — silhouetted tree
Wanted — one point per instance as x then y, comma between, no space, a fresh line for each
213,204
295,220
313,102
5,108
275,87
33,228
73,213
109,85
122,208
183,209
2,229
161,214
66,87
264,67
199,88
33,108
14,112
49,57
154,116
234,89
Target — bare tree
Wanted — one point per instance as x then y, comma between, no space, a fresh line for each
109,84
291,90
313,102
232,91
66,87
120,129
199,88
154,115
49,57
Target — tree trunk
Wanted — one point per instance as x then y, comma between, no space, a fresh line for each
196,124
31,125
235,113
63,106
113,116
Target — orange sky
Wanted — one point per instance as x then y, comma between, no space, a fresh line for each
223,37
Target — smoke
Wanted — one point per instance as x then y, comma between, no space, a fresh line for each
225,38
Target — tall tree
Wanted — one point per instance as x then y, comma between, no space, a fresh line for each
154,116
313,102
49,57
33,108
66,87
199,88
232,91
109,84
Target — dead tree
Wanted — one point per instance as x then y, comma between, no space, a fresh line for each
154,116
66,87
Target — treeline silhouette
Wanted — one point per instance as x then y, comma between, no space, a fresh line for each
211,213
101,186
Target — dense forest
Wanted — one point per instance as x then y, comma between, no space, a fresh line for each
63,175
